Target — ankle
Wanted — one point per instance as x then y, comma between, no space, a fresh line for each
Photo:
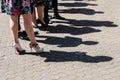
33,44
17,45
36,47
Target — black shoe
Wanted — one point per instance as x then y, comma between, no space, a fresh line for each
47,20
38,21
35,26
3,11
23,35
36,33
42,24
58,17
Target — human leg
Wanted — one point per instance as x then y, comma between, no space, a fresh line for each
40,10
14,27
19,27
34,23
28,27
13,10
46,16
3,6
30,32
55,6
55,10
14,31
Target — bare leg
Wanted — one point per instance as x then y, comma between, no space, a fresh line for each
40,10
14,27
28,27
34,18
14,30
29,30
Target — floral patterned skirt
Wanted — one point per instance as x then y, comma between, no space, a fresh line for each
17,7
40,2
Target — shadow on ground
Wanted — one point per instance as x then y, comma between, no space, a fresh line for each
76,4
88,23
65,42
60,56
69,29
80,11
78,0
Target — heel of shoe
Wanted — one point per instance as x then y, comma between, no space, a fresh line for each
30,47
18,49
20,52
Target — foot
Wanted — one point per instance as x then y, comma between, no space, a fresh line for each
47,20
42,24
18,48
35,26
36,33
36,47
3,11
23,35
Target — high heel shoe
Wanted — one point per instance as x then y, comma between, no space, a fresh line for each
42,24
18,48
36,47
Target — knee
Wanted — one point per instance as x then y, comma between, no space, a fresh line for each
27,22
27,19
14,22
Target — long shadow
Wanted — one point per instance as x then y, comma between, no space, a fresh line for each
76,4
80,11
60,56
69,29
65,42
78,0
89,23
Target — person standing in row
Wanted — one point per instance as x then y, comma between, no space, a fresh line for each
52,4
40,5
14,8
55,10
3,6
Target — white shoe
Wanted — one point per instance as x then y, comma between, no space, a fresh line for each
18,48
36,47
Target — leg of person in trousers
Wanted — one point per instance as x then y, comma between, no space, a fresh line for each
46,16
55,9
3,6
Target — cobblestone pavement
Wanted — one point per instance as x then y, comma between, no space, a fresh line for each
85,46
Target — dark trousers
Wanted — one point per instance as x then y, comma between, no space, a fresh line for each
3,5
46,10
55,10
55,6
46,16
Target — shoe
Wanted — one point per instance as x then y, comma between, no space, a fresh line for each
35,26
36,47
3,11
18,49
42,24
58,17
47,20
36,33
23,35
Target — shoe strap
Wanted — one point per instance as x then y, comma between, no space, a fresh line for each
33,45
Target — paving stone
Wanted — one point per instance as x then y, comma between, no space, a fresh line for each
85,46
